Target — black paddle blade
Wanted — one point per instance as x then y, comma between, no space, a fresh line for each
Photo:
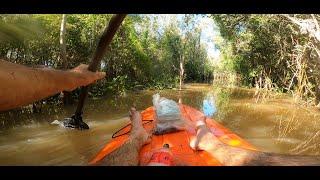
75,122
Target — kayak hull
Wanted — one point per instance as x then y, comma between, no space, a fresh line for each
178,141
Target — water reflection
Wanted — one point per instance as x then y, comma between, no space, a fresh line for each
275,125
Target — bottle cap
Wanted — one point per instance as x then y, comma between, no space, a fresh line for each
166,145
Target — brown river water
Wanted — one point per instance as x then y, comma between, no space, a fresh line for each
276,124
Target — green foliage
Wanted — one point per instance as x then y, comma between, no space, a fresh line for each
270,52
139,55
255,42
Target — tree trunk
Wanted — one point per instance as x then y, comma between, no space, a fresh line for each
66,96
181,72
63,49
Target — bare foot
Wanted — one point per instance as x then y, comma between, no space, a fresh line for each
204,140
137,130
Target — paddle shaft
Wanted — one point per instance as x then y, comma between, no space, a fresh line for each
104,42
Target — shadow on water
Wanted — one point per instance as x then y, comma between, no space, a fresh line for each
275,125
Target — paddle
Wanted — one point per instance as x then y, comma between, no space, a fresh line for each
76,120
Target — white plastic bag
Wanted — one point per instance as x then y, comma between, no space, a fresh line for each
168,115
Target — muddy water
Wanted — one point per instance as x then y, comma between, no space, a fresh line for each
275,125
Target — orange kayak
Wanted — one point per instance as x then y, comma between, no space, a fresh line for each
178,141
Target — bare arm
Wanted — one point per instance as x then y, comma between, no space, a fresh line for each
21,85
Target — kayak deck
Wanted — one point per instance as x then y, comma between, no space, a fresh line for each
178,141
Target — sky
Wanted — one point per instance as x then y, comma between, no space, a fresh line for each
208,33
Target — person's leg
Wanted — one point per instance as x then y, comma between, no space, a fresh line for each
233,156
227,155
128,154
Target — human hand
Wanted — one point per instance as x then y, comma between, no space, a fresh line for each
83,77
